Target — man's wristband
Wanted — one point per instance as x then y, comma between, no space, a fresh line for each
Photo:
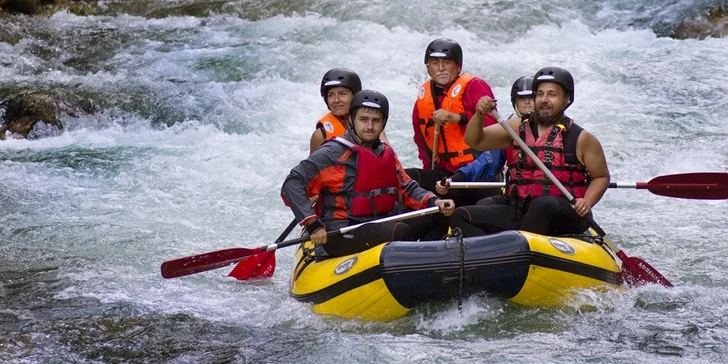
313,226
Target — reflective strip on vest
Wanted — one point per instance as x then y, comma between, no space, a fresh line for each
451,147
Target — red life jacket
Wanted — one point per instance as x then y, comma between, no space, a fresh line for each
512,154
376,189
556,148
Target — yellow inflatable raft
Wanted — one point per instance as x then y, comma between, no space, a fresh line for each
387,281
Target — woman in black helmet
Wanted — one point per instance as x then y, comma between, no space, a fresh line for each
522,96
338,87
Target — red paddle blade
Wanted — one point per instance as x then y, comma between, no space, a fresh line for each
701,185
636,271
203,262
258,266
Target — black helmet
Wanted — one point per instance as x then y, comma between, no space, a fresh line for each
521,88
372,99
444,48
558,75
340,77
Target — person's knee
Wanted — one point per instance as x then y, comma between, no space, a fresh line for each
461,214
414,174
401,232
486,201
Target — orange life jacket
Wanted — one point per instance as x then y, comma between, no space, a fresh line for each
331,126
556,148
452,146
376,186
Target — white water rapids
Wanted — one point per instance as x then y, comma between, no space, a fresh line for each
201,118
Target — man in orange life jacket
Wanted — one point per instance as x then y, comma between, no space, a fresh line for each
359,179
448,99
573,155
338,87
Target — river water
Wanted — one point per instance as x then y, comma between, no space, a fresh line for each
204,106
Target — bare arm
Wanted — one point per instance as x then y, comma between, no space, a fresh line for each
316,139
591,155
491,137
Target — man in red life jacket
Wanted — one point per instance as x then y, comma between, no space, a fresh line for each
572,154
358,178
447,99
338,87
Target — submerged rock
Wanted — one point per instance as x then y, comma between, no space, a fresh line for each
46,7
34,115
30,116
30,7
714,23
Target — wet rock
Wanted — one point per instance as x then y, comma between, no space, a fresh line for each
30,7
47,7
714,23
32,116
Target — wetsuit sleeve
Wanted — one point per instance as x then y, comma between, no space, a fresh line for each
476,89
306,180
418,139
413,196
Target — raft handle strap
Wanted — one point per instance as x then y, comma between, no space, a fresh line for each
458,234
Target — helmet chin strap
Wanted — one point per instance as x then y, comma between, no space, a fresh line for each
351,125
352,130
568,103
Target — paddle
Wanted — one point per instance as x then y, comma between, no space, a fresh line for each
434,145
635,270
699,186
203,262
260,265
473,184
